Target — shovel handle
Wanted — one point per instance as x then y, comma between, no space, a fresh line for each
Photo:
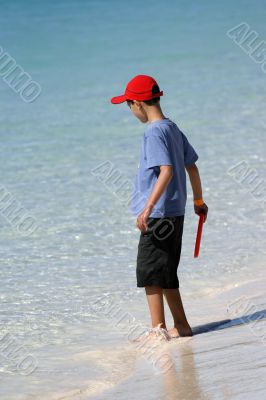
199,233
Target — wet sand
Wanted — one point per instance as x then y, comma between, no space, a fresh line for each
227,362
217,363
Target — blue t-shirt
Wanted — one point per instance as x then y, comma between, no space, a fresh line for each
163,144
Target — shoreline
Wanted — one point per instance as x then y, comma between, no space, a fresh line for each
212,365
209,365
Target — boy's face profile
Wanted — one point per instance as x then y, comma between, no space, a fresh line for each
139,110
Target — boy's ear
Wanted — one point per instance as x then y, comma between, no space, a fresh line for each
139,104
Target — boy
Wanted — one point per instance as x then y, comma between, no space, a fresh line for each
159,201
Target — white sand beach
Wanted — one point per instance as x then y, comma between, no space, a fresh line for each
227,363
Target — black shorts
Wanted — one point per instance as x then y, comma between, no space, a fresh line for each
159,252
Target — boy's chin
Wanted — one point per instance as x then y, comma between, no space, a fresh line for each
143,120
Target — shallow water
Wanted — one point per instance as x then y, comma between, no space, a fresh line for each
85,242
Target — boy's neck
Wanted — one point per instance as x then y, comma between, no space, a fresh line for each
158,119
154,114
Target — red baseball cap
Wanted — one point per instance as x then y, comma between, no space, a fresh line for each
139,88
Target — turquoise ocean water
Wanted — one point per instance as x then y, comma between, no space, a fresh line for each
84,246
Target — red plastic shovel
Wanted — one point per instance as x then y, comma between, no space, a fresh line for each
198,238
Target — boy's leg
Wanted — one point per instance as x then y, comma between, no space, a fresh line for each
155,300
181,325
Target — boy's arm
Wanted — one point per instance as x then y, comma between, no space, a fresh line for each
195,181
165,176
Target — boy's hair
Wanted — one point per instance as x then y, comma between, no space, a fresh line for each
155,89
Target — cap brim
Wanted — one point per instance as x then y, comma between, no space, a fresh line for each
118,99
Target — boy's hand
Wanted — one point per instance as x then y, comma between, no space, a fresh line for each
202,210
142,219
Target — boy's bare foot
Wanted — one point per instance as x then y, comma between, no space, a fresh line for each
154,333
148,336
180,331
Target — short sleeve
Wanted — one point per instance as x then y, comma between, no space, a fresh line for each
157,152
190,155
